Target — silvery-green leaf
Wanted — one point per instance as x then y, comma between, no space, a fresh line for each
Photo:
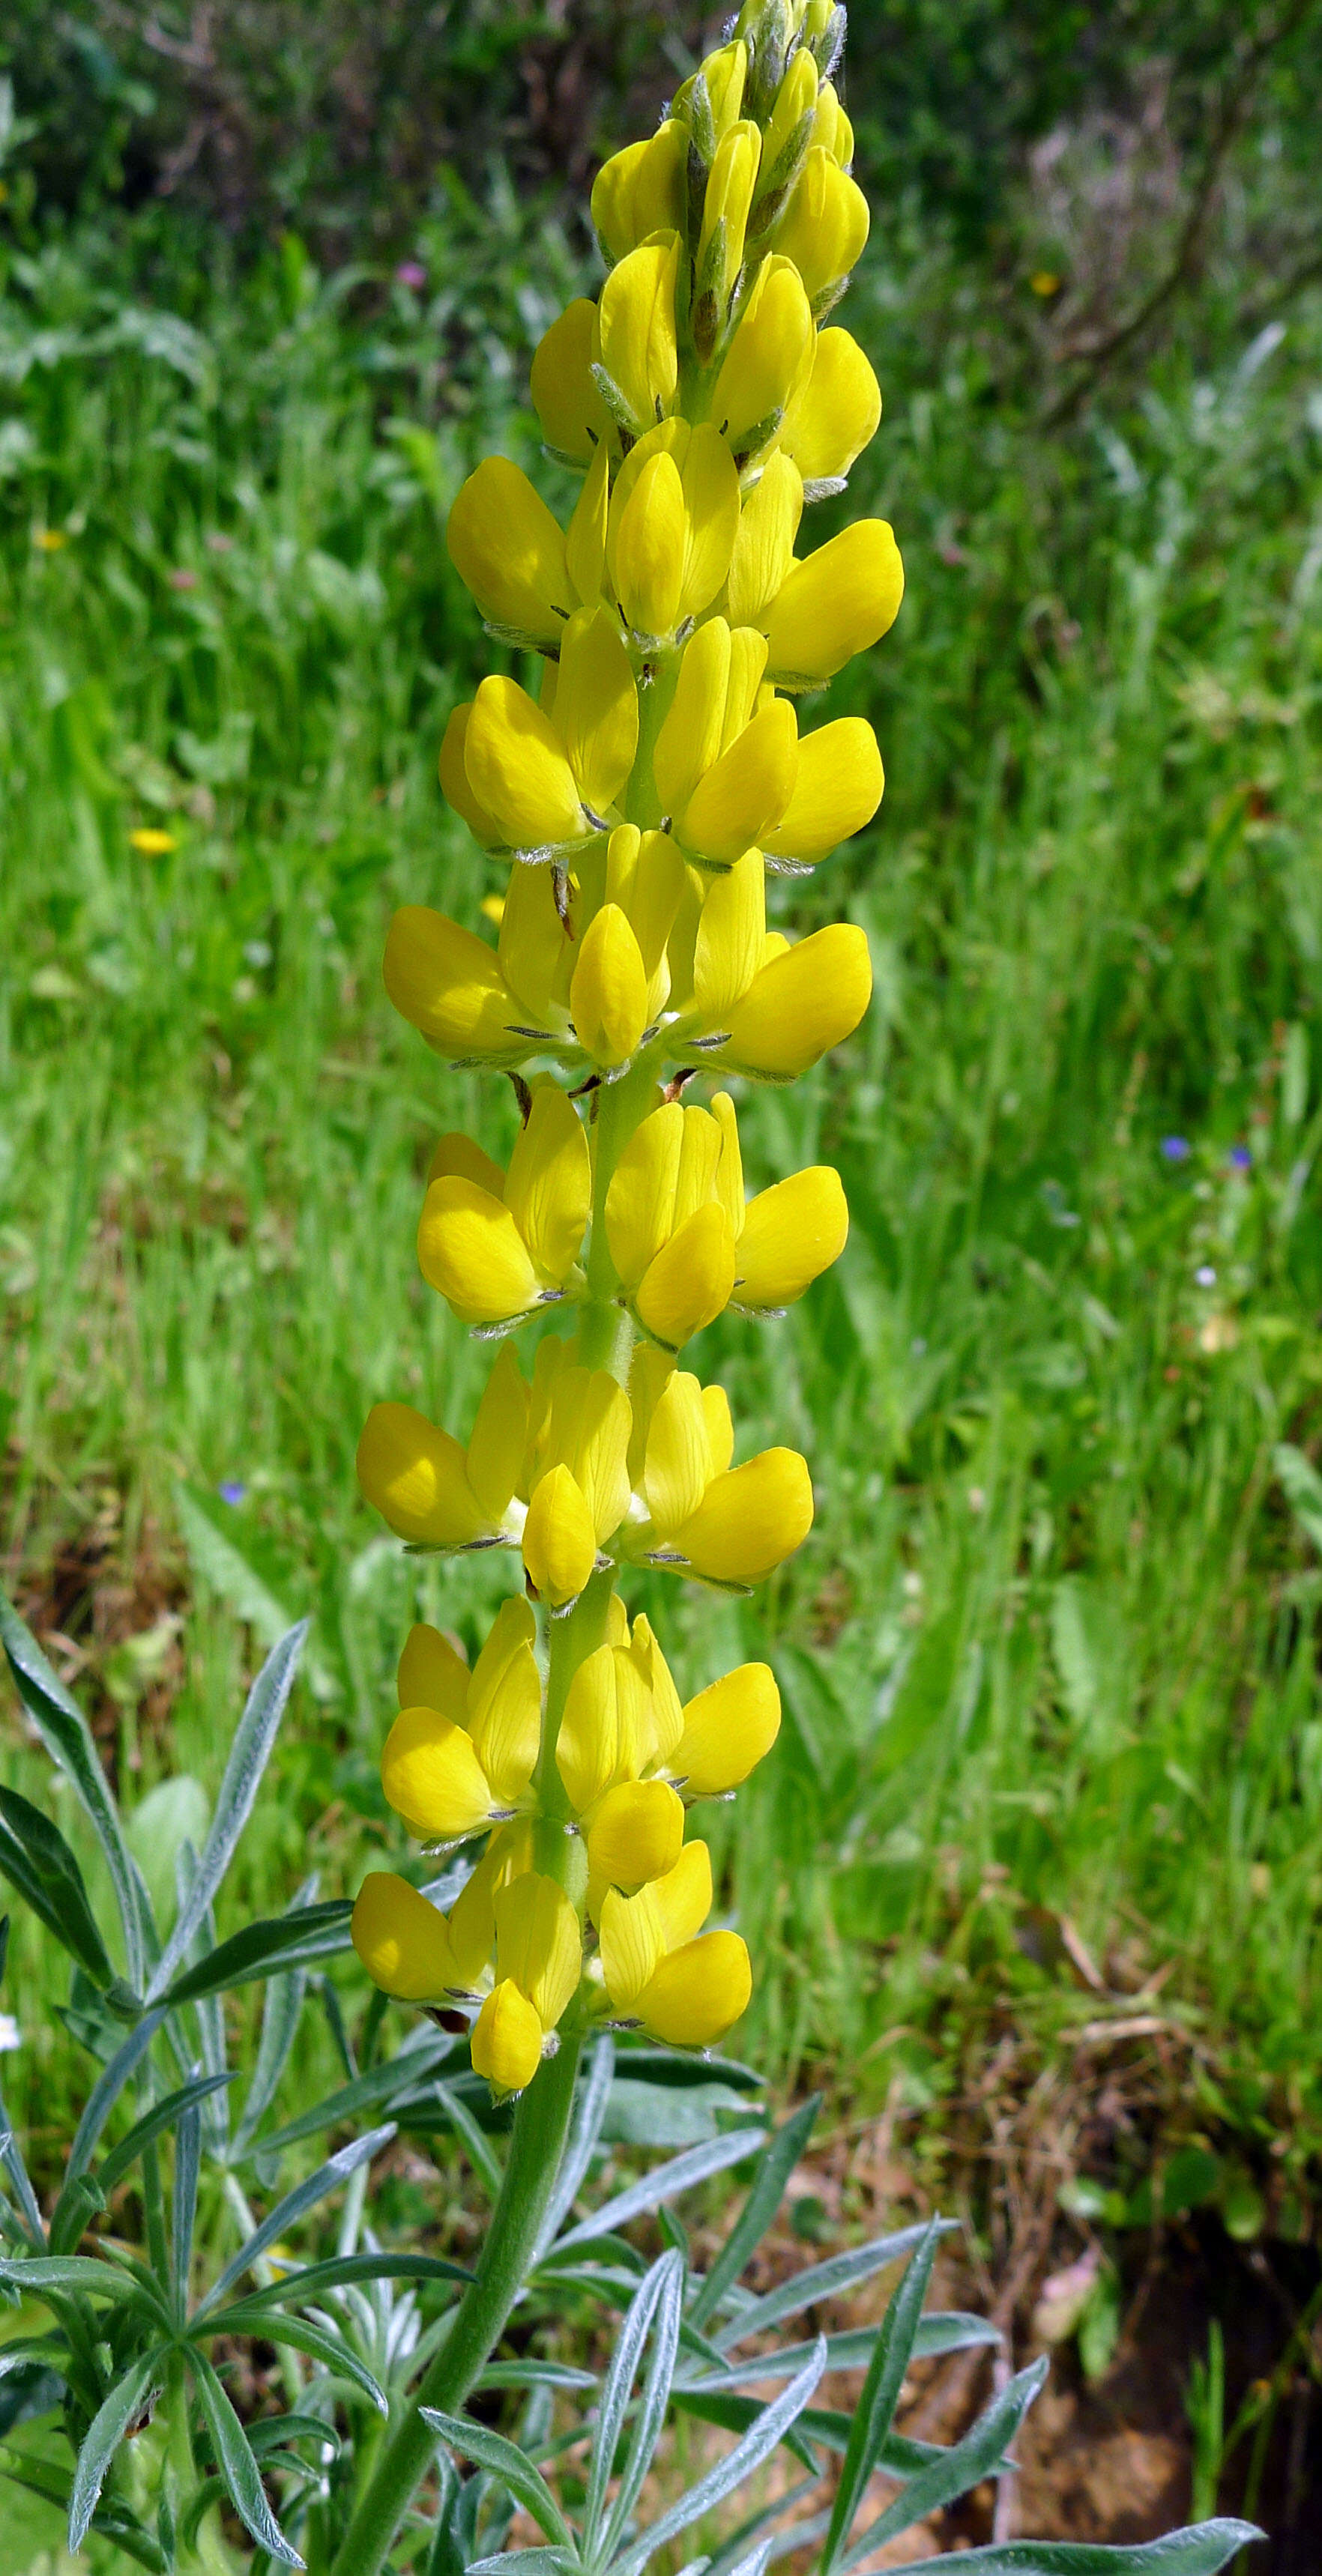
36,1857
655,2308
248,1756
1198,2552
821,2281
154,2124
757,2444
294,2206
775,2165
956,2470
696,2165
410,2071
589,2113
237,2465
506,2462
881,2393
338,2272
127,2400
282,2008
280,1941
187,2159
68,1739
303,2334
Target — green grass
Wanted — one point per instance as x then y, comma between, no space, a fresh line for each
1050,1651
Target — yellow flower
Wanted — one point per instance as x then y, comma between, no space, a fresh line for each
727,204
635,355
606,1732
432,1491
824,228
838,786
671,526
769,361
510,552
833,414
764,547
635,1835
495,1244
713,96
454,988
725,1525
538,1962
725,768
402,1940
802,1002
836,603
687,1991
641,190
625,982
684,1242
153,843
727,1730
538,781
559,1540
831,127
573,416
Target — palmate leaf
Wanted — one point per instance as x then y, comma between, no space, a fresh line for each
1199,2552
248,1756
237,2464
126,2401
36,1857
68,1739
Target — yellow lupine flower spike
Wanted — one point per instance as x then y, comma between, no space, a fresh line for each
654,778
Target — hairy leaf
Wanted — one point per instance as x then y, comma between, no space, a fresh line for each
248,1756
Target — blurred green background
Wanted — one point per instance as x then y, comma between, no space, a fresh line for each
1046,1805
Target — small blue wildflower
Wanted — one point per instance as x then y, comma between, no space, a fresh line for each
1205,1275
1176,1149
1240,1158
232,1493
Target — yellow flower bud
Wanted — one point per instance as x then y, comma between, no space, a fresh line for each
764,548
796,98
724,779
723,75
645,876
838,602
749,1519
645,549
690,1281
548,1189
604,1733
634,1836
834,413
416,1476
731,936
450,986
534,773
538,1943
640,1202
726,205
403,1942
768,361
637,1931
641,190
507,2039
697,1994
838,786
508,1854
727,1729
559,1541
573,416
585,539
635,341
432,1675
588,1432
458,1157
791,1233
432,1777
535,952
680,1462
805,1001
510,552
608,995
824,227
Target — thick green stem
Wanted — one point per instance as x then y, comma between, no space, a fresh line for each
536,2147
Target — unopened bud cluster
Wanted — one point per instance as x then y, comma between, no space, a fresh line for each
641,797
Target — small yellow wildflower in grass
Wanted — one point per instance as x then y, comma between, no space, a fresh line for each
639,796
152,841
